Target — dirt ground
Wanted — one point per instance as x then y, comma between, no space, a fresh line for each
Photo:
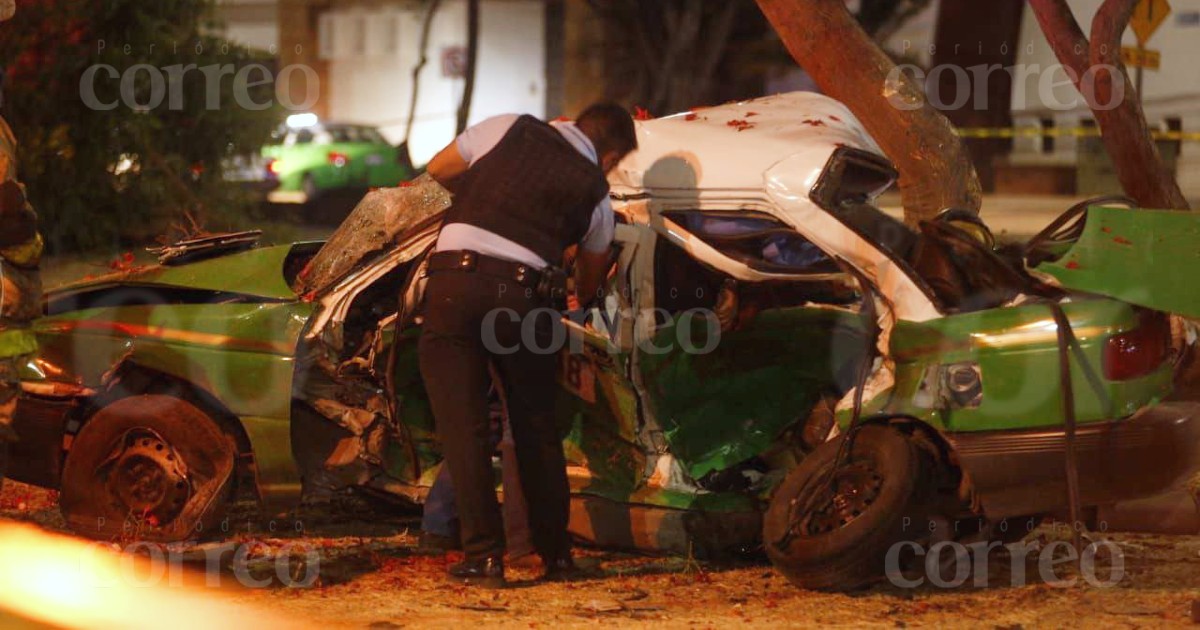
371,575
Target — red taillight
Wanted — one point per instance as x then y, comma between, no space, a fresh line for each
1140,351
338,159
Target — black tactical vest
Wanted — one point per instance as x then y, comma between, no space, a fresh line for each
533,188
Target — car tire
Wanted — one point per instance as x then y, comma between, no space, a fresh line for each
842,543
148,467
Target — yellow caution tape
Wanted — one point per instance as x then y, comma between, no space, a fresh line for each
1061,132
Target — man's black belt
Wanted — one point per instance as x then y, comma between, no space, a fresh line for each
469,261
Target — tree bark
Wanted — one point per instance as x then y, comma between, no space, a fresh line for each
824,38
1100,77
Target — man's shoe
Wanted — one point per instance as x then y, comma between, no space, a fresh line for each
561,569
485,572
430,541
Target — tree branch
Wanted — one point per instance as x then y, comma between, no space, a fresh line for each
1123,128
1126,135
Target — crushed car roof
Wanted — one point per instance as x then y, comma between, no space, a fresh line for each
731,146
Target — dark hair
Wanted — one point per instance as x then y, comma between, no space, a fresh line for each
609,127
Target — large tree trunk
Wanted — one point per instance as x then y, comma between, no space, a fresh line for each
1123,128
824,38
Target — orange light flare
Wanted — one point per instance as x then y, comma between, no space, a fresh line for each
64,582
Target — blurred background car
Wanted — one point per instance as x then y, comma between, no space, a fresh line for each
308,157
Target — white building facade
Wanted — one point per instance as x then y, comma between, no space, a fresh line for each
1044,95
372,51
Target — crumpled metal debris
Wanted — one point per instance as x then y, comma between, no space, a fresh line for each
375,222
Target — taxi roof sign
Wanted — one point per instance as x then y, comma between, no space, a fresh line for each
1148,15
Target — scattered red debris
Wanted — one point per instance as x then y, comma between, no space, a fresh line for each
813,123
407,184
641,114
308,297
750,114
834,118
691,116
1120,240
1106,230
740,124
1072,265
123,263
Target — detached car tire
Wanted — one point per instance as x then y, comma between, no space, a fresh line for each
841,542
148,467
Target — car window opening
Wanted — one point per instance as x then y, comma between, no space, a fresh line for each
683,283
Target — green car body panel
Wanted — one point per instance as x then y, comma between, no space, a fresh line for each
241,354
1135,255
725,406
1009,344
257,272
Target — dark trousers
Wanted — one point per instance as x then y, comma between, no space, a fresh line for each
440,515
454,365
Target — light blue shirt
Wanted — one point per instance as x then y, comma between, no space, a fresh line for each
476,142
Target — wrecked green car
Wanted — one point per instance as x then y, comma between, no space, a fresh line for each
775,364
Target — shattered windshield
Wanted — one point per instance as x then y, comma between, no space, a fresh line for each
382,218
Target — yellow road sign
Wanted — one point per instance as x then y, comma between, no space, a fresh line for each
1148,15
1141,57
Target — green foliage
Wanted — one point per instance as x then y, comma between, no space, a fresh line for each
119,176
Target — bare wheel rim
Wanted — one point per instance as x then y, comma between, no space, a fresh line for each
833,503
147,477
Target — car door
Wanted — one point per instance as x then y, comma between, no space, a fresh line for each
731,362
598,405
